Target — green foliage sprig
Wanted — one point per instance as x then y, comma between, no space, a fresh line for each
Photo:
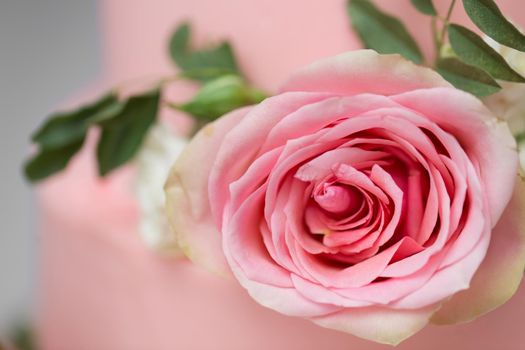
471,64
205,64
124,123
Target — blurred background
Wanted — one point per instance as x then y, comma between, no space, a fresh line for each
48,50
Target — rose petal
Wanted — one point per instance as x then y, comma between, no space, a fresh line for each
379,324
500,274
316,116
481,135
187,201
363,71
239,146
243,240
321,166
390,290
320,294
360,274
447,281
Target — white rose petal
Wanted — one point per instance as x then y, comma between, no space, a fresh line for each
160,150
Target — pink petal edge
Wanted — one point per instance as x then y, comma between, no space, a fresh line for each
500,274
187,202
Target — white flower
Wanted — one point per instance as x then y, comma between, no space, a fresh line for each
160,150
509,103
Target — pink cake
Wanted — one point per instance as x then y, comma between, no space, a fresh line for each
103,289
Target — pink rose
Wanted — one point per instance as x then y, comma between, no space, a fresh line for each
369,196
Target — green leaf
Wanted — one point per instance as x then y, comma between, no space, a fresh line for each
50,161
23,337
124,125
488,17
65,128
382,32
107,114
466,77
473,50
204,64
62,136
425,6
123,134
205,74
221,96
520,137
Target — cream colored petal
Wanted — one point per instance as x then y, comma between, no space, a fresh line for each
379,324
187,202
161,148
363,71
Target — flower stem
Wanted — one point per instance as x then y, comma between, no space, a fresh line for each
447,20
439,38
141,83
435,38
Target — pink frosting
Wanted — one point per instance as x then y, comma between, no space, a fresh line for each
102,289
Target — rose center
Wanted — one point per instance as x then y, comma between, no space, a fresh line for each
339,199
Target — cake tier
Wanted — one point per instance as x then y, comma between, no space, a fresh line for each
102,289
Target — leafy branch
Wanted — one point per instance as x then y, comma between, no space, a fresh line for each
124,123
470,64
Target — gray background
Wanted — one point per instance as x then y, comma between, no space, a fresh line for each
49,49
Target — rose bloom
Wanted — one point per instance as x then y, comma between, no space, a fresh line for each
369,196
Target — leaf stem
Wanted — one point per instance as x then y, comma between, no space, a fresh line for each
446,21
439,38
435,38
140,83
